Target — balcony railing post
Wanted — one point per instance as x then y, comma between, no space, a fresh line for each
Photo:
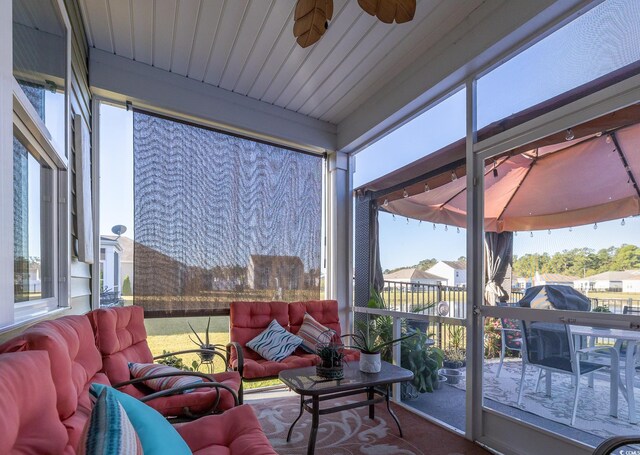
396,354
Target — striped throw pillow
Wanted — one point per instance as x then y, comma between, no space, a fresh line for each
312,333
275,343
108,430
141,370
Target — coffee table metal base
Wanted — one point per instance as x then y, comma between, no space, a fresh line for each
312,405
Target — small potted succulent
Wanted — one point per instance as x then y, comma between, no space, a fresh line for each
331,357
205,356
454,359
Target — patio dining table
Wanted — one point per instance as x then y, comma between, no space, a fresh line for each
632,338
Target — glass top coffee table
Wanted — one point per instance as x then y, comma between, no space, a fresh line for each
314,389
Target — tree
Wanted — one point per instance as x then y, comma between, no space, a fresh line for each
426,264
126,286
627,257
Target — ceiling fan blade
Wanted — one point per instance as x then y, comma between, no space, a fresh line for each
389,10
311,20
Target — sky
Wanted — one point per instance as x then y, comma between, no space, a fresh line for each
573,55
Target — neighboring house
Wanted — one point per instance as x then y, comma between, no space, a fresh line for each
275,272
126,260
110,253
554,278
631,283
614,281
412,275
453,273
521,283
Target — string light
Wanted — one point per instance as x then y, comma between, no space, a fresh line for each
407,220
446,228
549,231
434,226
385,203
458,230
595,226
622,223
608,139
515,233
404,193
569,136
531,235
394,216
495,170
454,177
420,223
570,229
426,188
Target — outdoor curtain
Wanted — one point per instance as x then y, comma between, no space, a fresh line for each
220,218
498,255
375,268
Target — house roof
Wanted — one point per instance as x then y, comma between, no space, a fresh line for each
457,265
614,276
411,273
556,278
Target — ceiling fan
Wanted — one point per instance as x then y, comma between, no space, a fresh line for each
311,18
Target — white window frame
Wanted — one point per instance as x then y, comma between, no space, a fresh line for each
19,118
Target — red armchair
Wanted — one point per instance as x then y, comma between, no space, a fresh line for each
121,338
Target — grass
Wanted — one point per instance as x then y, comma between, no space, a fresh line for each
172,334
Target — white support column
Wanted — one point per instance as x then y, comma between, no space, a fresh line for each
475,272
6,166
339,235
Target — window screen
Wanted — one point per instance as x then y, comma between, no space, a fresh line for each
219,218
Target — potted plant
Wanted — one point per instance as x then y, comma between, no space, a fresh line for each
206,356
425,360
454,359
370,346
331,357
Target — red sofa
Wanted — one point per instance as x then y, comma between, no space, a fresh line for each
45,374
249,319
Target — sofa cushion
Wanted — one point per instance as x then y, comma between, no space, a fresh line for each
236,432
323,311
312,333
200,400
275,343
249,319
74,357
121,338
157,435
267,368
29,421
141,370
109,431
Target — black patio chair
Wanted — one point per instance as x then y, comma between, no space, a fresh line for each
550,348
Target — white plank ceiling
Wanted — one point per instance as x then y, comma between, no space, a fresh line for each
247,46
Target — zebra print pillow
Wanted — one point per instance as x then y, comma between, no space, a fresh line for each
275,343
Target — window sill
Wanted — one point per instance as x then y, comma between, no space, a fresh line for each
30,321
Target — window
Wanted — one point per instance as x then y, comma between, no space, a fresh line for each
39,157
32,216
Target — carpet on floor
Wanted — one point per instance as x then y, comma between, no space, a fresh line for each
351,432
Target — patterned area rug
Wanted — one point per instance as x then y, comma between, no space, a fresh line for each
593,405
351,432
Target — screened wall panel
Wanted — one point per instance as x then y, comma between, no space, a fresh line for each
220,218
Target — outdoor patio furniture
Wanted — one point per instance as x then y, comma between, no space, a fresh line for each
510,338
249,319
313,390
45,405
550,348
121,338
